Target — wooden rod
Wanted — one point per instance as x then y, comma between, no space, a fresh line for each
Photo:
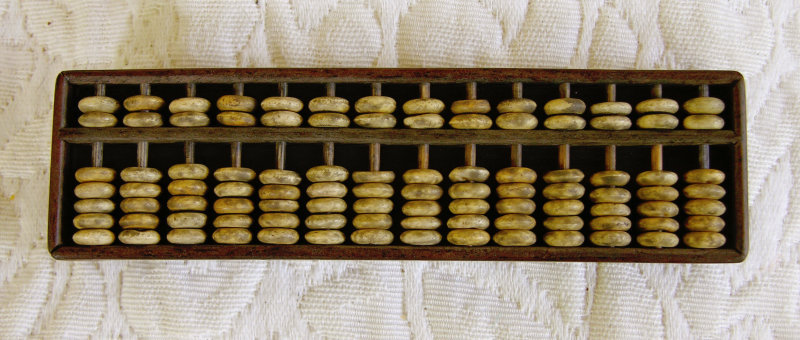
236,154
374,157
516,155
704,90
280,155
283,89
425,90
516,90
330,89
611,92
472,90
705,157
658,91
470,154
188,151
191,90
423,156
144,88
564,89
656,157
141,154
97,154
376,89
611,157
238,89
327,153
563,156
100,89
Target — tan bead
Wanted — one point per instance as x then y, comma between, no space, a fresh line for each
658,224
423,106
514,238
234,174
376,120
326,221
233,221
609,178
372,236
704,176
657,105
421,237
563,191
563,238
93,221
429,192
139,190
276,176
232,205
619,223
319,190
515,221
611,123
563,176
190,203
324,237
98,104
657,239
420,222
378,190
560,106
143,102
188,171
282,104
373,206
232,236
468,237
372,221
657,121
610,209
281,119
278,205
515,175
470,121
704,105
187,187
373,176
97,119
469,174
611,108
278,236
94,190
703,122
278,220
138,221
516,105
657,209
468,206
469,190
470,106
142,119
610,195
515,190
233,102
143,205
657,178
189,104
704,223
422,176
708,191
657,193
704,207
563,207
704,239
326,205
375,104
610,238
95,174
139,237
94,205
93,237
329,104
186,219
236,118
421,208
327,173
565,122
424,121
563,223
189,119
516,121
515,206
186,236
144,175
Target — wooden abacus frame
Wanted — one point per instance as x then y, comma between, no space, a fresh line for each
730,142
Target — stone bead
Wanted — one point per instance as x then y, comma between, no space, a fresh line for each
278,205
563,223
610,195
704,176
563,207
703,122
704,239
138,221
563,176
315,190
232,236
422,176
565,122
186,236
514,238
470,121
94,190
326,221
657,193
430,192
93,237
276,176
563,238
665,105
236,118
468,206
142,119
278,220
619,223
610,238
329,104
142,205
657,178
421,237
515,221
468,237
326,205
98,104
281,119
190,203
139,190
379,190
657,121
515,206
188,171
563,191
469,174
373,176
189,104
282,104
469,190
424,121
423,106
516,105
704,223
421,208
232,205
515,190
144,175
704,207
186,219
372,221
609,178
233,221
94,205
376,120
97,119
187,187
657,209
139,237
610,209
420,222
516,121
324,237
232,102
373,206
372,236
708,191
704,105
189,119
93,221
658,224
515,175
560,106
611,108
142,102
375,104
611,123
327,173
234,174
278,236
481,106
95,174
657,239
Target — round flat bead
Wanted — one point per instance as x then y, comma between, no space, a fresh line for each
515,175
326,205
424,121
189,104
468,206
276,176
232,236
326,221
610,238
421,237
563,191
379,190
139,237
98,104
420,222
704,239
515,190
187,220
373,206
657,209
236,118
704,176
376,120
187,187
430,192
516,121
610,209
138,221
704,207
189,119
94,205
139,190
423,106
610,195
233,102
563,207
373,176
144,175
657,105
657,239
658,224
93,221
372,237
516,105
186,236
421,208
142,119
708,191
619,223
233,189
234,174
95,174
188,171
94,190
191,203
703,122
611,108
704,223
93,237
515,206
481,106
469,190
563,176
282,104
515,221
319,190
143,102
704,105
372,221
232,221
329,104
657,121
468,237
278,236
611,123
469,174
609,178
278,205
327,173
324,237
657,193
657,178
563,223
375,104
470,121
143,205
422,176
514,238
563,238
565,122
97,119
281,119
278,220
560,106
232,205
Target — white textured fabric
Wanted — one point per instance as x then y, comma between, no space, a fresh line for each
42,298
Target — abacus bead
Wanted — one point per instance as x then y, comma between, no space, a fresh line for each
94,190
703,122
514,238
515,174
421,208
379,190
563,223
233,221
326,205
372,221
143,102
516,121
317,190
95,174
324,237
232,102
657,178
619,223
232,236
422,176
236,118
571,106
375,104
469,174
515,206
329,104
372,236
563,191
704,223
93,221
326,221
657,121
421,237
704,176
424,121
563,207
565,122
611,108
704,105
514,221
516,105
563,176
657,193
327,173
471,121
376,120
658,224
704,239
145,175
94,205
278,236
278,220
709,191
657,105
429,192
187,187
281,118
481,106
192,203
186,236
93,237
468,190
611,122
98,104
139,190
468,237
704,207
373,176
276,176
515,190
188,119
610,209
657,239
138,221
563,238
142,119
422,106
139,237
657,209
328,119
421,222
468,206
282,104
278,205
610,238
144,205
233,205
610,195
234,174
187,219
373,206
189,104
97,119
609,178
188,171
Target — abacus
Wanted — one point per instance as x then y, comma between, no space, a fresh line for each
421,164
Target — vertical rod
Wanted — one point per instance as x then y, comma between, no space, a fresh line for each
704,90
424,90
283,89
327,153
564,89
376,89
188,151
141,154
656,157
423,156
563,156
330,89
516,90
658,91
611,157
97,154
611,92
705,158
280,155
375,157
469,154
100,89
191,90
144,88
516,155
472,90
236,154
238,89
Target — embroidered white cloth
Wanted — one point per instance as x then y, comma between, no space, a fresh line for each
43,298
